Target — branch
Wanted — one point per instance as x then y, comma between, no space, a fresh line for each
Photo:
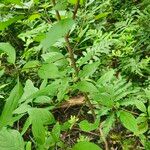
71,55
76,9
57,12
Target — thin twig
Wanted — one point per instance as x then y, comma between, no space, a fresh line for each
71,55
76,9
90,106
57,12
103,138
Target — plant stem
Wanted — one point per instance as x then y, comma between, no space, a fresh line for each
76,9
103,138
69,48
90,106
71,52
57,12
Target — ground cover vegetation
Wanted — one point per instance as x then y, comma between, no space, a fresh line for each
74,74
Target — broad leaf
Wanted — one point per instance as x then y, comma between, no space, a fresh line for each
44,117
128,121
140,105
85,86
10,51
29,89
57,31
75,1
10,105
31,65
86,146
5,24
48,71
12,1
11,140
86,126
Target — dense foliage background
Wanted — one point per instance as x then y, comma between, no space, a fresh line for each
74,74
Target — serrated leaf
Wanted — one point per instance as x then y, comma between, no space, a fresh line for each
9,50
107,77
86,146
88,70
11,140
56,132
57,31
86,126
107,125
48,71
128,121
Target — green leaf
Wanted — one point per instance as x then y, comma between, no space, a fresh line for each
29,89
86,126
10,105
2,71
86,146
62,90
9,50
5,24
57,31
140,105
128,121
88,70
107,77
12,1
31,65
44,117
149,111
26,126
43,100
103,99
29,146
107,125
55,57
11,140
56,132
75,1
61,5
48,71
21,109
85,86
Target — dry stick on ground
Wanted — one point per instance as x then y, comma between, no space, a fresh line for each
71,52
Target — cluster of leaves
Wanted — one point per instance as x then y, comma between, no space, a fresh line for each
53,51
